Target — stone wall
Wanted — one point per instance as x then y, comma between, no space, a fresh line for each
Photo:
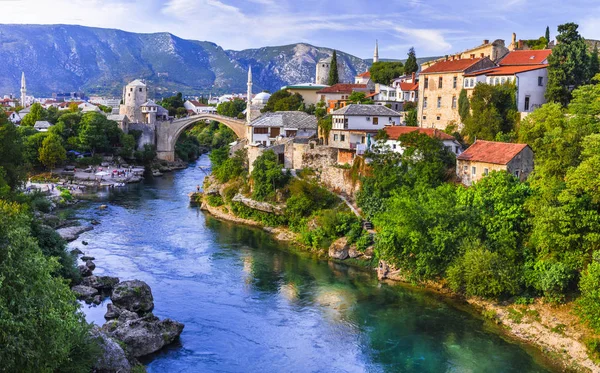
312,156
148,133
339,180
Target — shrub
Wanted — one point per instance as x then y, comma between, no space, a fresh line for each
480,272
551,278
588,305
214,201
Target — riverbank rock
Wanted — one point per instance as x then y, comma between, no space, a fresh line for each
353,252
84,293
84,270
72,233
386,271
76,251
106,283
85,258
144,335
369,252
91,265
112,312
339,249
112,358
135,296
257,205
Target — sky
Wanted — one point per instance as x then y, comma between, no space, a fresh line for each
433,27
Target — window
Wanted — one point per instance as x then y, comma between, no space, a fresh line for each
426,81
440,80
453,102
261,131
375,120
130,89
368,119
473,170
342,138
335,137
526,103
424,117
465,168
438,117
362,140
439,102
496,81
486,171
503,80
517,173
454,82
424,102
140,89
540,81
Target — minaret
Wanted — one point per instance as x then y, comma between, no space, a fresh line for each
376,54
23,90
249,97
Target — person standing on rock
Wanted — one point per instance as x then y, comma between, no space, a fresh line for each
198,188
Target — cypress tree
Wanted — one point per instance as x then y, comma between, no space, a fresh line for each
547,35
411,65
594,62
334,77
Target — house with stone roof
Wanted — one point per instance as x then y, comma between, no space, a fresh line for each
197,107
42,126
483,157
270,127
527,69
394,134
13,116
337,95
355,126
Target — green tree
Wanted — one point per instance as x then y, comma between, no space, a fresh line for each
267,176
41,329
588,305
334,77
11,154
594,62
411,65
231,108
93,132
493,112
412,118
547,34
283,100
359,98
568,65
36,113
172,104
464,106
325,125
52,151
385,72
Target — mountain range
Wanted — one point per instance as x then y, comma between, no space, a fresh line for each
70,58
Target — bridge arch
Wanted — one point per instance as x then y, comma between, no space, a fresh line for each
168,132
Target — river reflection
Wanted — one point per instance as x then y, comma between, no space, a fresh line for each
251,304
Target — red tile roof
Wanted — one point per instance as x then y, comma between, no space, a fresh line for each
409,86
366,74
491,152
507,70
451,66
394,132
196,103
530,57
342,88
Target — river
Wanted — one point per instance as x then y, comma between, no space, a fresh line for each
252,304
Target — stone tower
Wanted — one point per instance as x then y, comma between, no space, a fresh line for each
135,94
23,90
322,74
249,97
376,53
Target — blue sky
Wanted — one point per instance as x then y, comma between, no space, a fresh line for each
433,27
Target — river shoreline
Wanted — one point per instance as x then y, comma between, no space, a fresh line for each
555,336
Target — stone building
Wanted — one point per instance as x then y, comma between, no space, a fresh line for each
135,94
308,91
483,157
439,88
323,67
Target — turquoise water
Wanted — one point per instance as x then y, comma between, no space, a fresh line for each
250,304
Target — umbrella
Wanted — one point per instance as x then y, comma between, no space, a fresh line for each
102,173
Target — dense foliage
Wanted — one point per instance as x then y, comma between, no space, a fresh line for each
385,72
267,176
283,100
233,108
334,75
174,105
411,66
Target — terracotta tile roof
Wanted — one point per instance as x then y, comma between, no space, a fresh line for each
342,88
394,132
529,57
506,70
370,95
409,86
451,66
9,113
196,103
366,74
491,152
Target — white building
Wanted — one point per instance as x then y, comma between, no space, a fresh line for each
199,108
14,117
42,126
528,69
355,126
268,128
106,101
394,134
86,107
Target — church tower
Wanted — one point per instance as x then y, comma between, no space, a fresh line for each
249,97
23,90
376,54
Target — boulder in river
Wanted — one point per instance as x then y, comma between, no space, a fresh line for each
85,293
72,233
76,251
112,358
339,249
84,271
112,312
100,282
134,296
144,335
91,265
85,258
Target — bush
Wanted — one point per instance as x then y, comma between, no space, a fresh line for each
588,305
551,278
214,201
480,272
268,176
89,161
39,202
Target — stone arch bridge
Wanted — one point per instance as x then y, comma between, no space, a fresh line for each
168,132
